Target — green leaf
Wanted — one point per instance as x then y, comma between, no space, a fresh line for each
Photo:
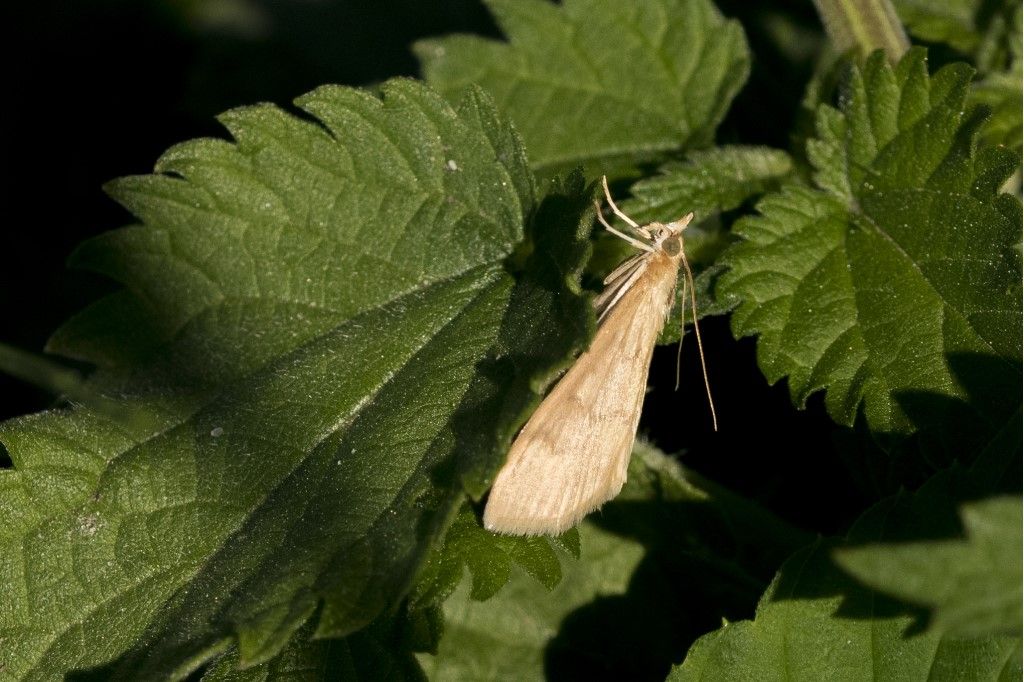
1000,49
324,347
600,83
708,182
384,650
817,622
623,609
986,30
952,547
894,283
42,372
672,508
1002,62
488,557
374,653
972,585
803,639
1002,94
990,33
506,636
951,22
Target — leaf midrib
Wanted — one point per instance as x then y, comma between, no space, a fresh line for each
353,414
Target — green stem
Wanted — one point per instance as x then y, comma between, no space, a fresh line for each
864,25
39,371
69,384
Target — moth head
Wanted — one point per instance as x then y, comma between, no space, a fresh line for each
669,237
673,245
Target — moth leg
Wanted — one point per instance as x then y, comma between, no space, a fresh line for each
626,265
622,235
619,291
615,209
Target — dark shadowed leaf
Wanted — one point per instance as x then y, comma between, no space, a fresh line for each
972,585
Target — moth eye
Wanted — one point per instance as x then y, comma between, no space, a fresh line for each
672,246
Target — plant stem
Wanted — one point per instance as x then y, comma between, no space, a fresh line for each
39,371
70,385
864,25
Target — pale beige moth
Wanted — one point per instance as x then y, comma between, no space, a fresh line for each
571,456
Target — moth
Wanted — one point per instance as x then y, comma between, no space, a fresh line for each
572,454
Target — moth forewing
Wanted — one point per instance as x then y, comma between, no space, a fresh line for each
572,454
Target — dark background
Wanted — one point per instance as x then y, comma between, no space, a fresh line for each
99,89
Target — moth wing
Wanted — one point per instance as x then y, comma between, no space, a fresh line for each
572,454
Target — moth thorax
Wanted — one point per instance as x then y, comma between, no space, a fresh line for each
672,246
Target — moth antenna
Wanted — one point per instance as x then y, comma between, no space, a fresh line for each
682,331
700,344
622,235
615,209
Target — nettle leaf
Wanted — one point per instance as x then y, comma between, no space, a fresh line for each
506,636
894,283
667,531
374,653
972,585
1002,94
385,649
601,83
324,348
1000,89
708,182
805,639
986,30
817,622
954,22
990,34
488,557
